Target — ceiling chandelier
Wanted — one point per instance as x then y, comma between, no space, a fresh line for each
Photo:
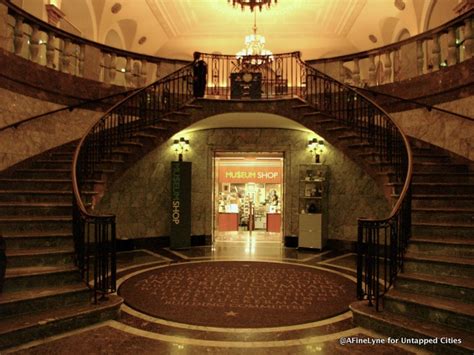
252,3
254,49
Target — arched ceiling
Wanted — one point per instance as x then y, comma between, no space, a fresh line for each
317,28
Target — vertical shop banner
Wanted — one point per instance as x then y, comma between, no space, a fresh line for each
180,236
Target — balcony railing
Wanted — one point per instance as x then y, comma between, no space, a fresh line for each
446,45
44,44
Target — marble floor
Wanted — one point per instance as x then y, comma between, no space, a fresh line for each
139,333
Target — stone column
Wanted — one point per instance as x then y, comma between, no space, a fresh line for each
356,72
19,38
420,57
387,68
436,52
34,43
372,74
50,48
468,38
452,49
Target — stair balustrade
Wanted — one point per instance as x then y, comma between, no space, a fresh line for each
381,242
95,234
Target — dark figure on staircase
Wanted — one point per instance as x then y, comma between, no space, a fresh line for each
199,75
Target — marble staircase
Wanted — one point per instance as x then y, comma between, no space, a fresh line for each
433,298
43,293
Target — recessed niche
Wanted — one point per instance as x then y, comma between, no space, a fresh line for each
373,39
142,40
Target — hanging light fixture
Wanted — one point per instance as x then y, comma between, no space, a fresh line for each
252,3
254,48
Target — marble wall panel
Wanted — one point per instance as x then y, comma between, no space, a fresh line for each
141,197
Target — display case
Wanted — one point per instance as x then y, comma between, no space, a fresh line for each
312,205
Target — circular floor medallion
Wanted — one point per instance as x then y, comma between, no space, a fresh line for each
239,294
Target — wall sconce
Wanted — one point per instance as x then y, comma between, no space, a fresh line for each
181,146
316,147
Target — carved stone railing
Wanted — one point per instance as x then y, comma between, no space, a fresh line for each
430,51
29,37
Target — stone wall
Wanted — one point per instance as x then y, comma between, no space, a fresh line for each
141,197
37,136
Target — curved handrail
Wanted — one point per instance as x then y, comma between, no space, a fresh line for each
94,234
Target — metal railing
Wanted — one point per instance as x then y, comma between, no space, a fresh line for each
381,242
95,234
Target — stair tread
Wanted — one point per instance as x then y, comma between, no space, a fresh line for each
35,204
32,294
18,322
456,225
444,240
445,304
464,184
37,234
421,327
49,192
38,251
443,209
445,280
439,258
447,196
38,270
34,218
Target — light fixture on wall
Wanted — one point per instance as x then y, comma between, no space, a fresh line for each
252,4
181,146
316,148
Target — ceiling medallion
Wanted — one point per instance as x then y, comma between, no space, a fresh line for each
252,3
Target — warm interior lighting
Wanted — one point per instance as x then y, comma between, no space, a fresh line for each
316,148
181,146
252,4
254,49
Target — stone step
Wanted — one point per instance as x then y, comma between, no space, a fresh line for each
441,201
43,184
42,196
35,223
41,256
399,326
44,173
40,299
35,208
440,177
443,215
443,246
429,167
436,188
51,164
430,157
34,239
447,312
22,329
458,288
438,265
21,278
460,230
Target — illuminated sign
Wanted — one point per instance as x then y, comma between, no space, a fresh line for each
243,174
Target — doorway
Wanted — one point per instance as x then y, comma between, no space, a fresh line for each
248,197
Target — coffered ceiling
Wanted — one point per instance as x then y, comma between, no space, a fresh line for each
317,28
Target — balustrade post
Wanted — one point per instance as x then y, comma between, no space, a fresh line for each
34,44
356,72
82,55
420,57
342,73
50,50
468,38
387,71
158,68
19,37
372,74
112,69
452,49
436,52
136,73
128,72
106,58
143,72
66,56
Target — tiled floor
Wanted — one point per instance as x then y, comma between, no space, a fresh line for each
138,333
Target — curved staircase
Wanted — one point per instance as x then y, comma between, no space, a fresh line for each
43,293
433,297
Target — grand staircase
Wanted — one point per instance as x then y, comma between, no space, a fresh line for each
433,297
43,293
